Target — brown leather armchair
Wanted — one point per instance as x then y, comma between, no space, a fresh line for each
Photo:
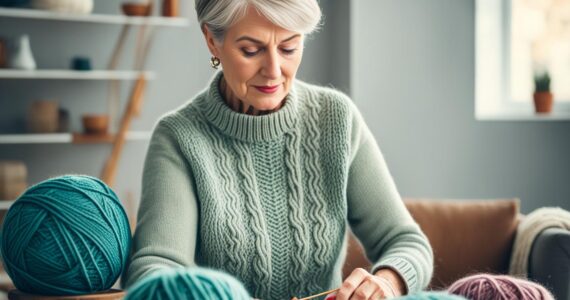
477,236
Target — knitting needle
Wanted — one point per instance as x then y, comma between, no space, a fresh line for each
317,295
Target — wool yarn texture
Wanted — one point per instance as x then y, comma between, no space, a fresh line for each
498,287
431,295
68,235
188,283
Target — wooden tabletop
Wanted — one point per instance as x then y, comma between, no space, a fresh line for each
112,294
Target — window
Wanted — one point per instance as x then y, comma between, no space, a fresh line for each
516,39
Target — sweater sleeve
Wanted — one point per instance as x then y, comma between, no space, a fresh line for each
378,216
166,231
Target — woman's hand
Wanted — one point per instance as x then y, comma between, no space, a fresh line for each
361,285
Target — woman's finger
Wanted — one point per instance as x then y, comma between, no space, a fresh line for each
351,283
366,289
380,294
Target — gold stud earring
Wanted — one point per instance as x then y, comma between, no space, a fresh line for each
214,62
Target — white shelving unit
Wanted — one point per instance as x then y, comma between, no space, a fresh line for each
4,279
5,204
111,75
79,75
73,75
60,138
93,18
525,116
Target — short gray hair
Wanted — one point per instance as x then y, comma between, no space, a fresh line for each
301,16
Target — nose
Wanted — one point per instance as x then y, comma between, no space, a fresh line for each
272,66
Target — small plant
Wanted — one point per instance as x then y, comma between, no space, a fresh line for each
542,82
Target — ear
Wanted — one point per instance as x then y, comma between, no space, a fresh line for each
211,41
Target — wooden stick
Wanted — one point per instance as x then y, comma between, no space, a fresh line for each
141,38
146,48
133,107
141,63
318,295
119,47
114,94
110,169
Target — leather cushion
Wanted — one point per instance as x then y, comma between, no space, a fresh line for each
467,236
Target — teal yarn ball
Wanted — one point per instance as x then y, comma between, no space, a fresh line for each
190,283
431,296
66,236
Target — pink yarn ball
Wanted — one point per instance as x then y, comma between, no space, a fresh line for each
498,287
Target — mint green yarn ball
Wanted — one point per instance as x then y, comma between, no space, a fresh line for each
66,236
191,283
431,296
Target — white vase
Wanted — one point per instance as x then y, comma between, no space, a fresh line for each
64,6
21,56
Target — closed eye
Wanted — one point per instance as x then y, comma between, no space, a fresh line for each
289,51
249,53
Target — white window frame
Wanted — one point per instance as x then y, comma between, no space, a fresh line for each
492,68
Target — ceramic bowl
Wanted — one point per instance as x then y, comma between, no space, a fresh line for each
137,9
95,124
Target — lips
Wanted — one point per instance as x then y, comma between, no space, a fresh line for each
267,89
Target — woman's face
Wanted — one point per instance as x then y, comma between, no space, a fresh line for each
259,59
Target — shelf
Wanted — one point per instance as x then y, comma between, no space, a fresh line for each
5,204
68,138
78,138
5,279
525,116
93,18
73,75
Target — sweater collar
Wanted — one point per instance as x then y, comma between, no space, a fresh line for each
247,127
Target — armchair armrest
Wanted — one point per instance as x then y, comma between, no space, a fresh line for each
549,261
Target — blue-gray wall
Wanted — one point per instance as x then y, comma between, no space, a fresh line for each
409,66
413,78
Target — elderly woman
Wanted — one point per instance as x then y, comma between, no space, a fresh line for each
260,174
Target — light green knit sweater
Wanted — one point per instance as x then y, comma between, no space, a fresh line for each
268,198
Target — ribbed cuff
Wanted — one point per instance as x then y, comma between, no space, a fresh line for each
401,266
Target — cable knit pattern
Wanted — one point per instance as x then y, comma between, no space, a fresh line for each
296,214
315,195
267,198
262,259
234,235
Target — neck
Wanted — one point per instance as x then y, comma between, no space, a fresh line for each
239,106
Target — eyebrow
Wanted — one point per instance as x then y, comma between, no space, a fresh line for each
247,38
